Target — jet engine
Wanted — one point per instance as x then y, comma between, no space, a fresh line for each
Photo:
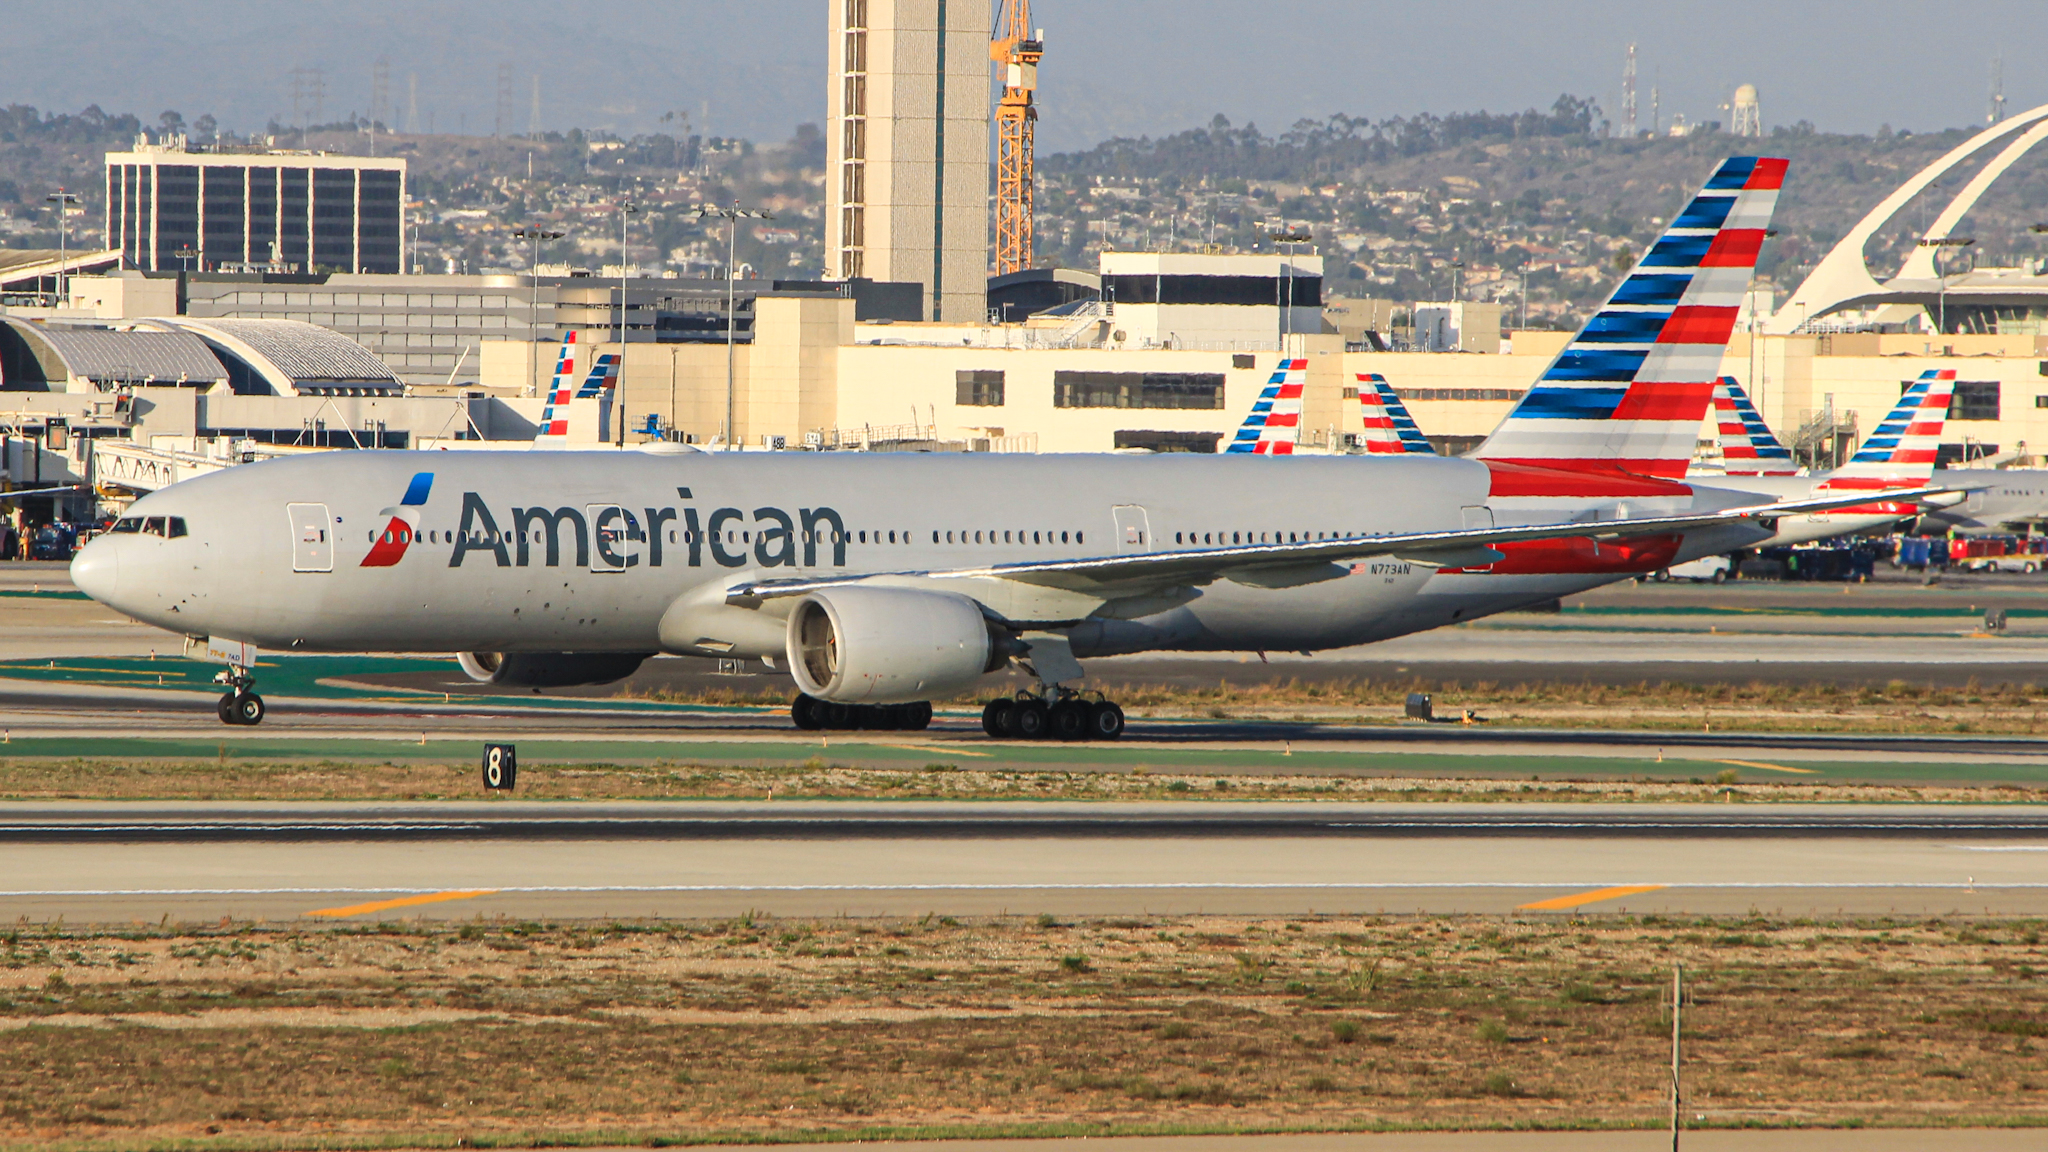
872,645
549,669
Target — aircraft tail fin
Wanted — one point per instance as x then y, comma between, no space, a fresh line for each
604,375
1904,444
1748,446
554,418
1275,420
1627,395
1388,426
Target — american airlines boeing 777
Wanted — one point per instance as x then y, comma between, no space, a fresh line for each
889,580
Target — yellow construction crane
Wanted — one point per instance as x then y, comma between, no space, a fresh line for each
1018,50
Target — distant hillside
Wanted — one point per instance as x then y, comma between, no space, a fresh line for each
1405,197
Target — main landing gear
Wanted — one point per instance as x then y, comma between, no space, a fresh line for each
812,714
1068,716
241,704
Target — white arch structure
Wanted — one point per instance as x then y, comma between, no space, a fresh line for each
1843,277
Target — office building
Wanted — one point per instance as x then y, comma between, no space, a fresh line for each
907,194
170,209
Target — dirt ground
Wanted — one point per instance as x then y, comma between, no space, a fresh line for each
495,1033
295,779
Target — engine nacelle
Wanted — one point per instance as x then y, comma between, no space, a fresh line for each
872,645
549,669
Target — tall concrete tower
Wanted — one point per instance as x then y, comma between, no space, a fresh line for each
907,197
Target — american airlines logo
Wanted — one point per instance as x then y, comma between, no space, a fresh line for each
401,524
613,537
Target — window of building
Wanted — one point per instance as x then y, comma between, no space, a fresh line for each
978,387
1957,455
1975,400
1167,441
1247,360
1073,389
2041,401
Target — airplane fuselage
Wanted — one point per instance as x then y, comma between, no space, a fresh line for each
612,551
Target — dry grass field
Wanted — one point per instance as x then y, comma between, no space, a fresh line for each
501,1034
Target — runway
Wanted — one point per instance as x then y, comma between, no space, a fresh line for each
342,863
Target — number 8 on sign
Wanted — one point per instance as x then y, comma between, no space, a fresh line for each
501,767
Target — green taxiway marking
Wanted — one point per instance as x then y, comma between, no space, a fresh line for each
40,595
881,752
317,677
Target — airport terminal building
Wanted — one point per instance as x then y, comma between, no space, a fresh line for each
170,208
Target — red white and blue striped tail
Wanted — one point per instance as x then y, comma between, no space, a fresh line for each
554,419
1388,426
603,375
1900,451
1627,395
1748,446
1275,420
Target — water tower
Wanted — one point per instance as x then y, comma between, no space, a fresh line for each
1747,118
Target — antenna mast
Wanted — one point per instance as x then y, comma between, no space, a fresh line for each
1628,91
1018,51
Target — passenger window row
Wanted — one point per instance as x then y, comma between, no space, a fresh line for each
1265,537
1007,537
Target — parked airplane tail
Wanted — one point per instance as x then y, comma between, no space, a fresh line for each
603,375
554,418
1388,426
1900,451
1748,446
1275,420
1627,395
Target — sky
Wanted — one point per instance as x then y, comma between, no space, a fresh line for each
1112,67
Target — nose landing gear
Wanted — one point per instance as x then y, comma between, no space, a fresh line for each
240,704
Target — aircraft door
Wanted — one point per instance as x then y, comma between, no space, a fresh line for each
1133,529
1477,516
613,532
312,537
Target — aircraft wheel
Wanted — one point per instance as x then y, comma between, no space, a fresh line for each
917,717
1720,575
807,712
837,717
226,709
2030,568
1070,720
995,717
1105,721
1032,719
248,708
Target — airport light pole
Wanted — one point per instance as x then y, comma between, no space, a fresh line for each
732,217
533,236
1289,239
1941,276
63,200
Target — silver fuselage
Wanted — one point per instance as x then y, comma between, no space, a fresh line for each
631,551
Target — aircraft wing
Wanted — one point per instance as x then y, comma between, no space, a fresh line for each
1282,565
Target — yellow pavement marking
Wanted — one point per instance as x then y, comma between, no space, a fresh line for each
1593,897
1769,767
933,747
403,902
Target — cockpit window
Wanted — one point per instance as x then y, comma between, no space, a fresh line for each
127,524
177,527
154,526
169,527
